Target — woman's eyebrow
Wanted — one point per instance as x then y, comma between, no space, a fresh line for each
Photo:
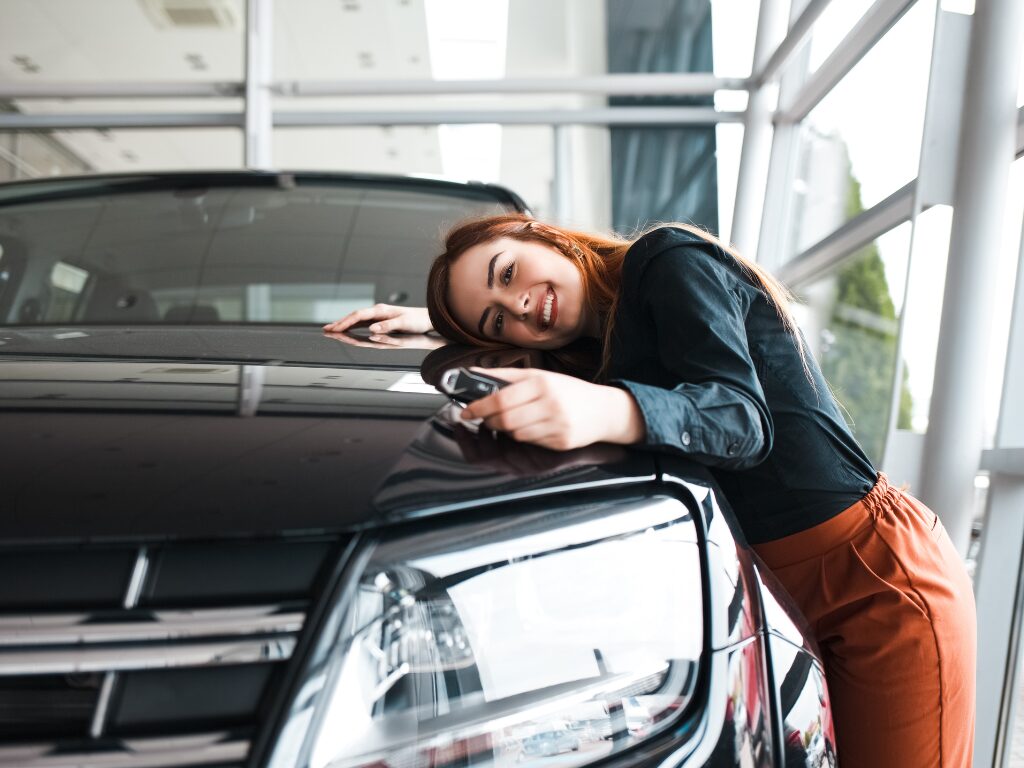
490,269
490,284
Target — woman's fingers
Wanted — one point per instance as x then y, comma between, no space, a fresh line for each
520,390
378,312
385,318
558,411
349,320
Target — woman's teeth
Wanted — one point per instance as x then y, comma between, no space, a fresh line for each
548,301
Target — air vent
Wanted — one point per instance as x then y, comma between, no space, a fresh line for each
191,14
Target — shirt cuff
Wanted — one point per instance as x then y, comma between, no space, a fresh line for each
668,416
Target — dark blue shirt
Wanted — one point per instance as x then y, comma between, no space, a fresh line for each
719,378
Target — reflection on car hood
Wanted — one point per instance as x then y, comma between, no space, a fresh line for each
239,343
103,449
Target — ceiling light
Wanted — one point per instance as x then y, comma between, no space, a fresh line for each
190,13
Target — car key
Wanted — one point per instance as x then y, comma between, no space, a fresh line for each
465,386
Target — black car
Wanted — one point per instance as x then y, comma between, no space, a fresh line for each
228,539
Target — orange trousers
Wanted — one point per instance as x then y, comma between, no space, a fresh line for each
892,607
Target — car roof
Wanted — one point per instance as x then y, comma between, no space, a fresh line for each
33,190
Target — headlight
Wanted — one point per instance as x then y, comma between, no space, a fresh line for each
572,633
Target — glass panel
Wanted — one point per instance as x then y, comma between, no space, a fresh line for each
205,250
400,40
850,318
518,157
834,24
362,149
32,155
733,29
26,155
1002,297
662,173
143,41
863,141
122,40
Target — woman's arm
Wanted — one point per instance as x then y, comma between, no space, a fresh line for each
711,405
385,318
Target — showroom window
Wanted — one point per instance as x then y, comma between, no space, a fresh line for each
851,320
863,141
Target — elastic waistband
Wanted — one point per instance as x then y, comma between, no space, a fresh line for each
804,545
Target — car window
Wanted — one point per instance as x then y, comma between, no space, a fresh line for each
295,253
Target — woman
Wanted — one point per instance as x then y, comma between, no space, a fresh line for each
702,357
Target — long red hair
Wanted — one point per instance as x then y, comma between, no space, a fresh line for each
598,257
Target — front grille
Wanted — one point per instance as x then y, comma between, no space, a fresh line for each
141,657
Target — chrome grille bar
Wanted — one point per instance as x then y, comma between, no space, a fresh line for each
136,753
119,658
67,629
131,598
99,715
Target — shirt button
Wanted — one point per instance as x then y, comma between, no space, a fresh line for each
685,437
733,447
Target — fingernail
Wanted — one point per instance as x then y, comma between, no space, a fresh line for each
375,328
375,337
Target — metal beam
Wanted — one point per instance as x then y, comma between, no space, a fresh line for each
643,84
14,121
936,185
1001,556
292,119
756,150
826,254
259,114
217,90
561,181
1020,131
776,235
872,26
999,589
585,116
988,136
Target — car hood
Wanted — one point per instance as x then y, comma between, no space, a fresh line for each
100,444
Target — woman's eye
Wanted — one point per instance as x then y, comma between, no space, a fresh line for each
506,276
499,322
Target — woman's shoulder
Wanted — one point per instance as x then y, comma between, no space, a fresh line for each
671,248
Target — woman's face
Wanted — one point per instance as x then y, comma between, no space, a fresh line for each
522,293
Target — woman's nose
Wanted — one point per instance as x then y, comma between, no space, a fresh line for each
523,305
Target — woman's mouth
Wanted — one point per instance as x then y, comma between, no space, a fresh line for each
548,310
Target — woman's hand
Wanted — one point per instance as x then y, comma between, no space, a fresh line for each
385,318
557,411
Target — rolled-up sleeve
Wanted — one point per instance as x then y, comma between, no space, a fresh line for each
716,412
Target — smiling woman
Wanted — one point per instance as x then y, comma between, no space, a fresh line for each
702,358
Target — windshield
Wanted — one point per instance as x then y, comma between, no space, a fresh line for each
280,250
